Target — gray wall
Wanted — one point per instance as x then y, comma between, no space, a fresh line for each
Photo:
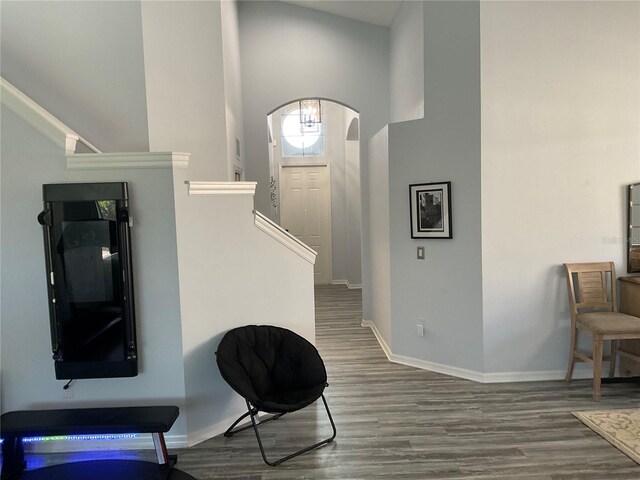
446,288
560,140
28,377
380,281
407,63
350,64
185,84
83,62
232,83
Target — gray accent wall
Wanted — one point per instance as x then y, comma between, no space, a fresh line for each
560,142
83,62
445,289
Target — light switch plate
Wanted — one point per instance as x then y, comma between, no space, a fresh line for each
420,253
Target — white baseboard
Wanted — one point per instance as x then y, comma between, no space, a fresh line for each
350,286
581,371
381,340
439,368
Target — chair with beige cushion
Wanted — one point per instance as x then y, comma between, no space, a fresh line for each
593,304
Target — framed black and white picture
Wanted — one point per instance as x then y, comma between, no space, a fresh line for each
430,210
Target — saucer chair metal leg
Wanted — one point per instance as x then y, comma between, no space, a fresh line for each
230,431
299,452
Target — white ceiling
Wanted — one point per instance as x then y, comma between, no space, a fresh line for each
377,12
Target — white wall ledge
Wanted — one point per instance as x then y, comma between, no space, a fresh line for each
221,188
278,233
128,160
36,116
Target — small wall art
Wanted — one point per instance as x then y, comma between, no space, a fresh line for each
430,210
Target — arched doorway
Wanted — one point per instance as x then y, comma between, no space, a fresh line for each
314,168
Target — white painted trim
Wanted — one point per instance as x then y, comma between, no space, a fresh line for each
381,340
221,188
304,162
581,371
101,161
40,119
278,233
438,368
350,286
142,442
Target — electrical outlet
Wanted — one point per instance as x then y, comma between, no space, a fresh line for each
420,327
68,393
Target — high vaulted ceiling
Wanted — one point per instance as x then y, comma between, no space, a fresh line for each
377,12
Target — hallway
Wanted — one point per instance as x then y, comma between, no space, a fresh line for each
399,422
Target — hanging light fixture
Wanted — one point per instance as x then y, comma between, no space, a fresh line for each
310,112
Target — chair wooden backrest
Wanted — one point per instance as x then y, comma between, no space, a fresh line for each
594,288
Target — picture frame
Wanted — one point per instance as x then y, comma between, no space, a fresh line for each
430,210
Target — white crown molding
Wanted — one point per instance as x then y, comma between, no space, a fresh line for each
40,119
580,372
221,188
278,233
128,160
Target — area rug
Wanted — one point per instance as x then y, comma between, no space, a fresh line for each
621,428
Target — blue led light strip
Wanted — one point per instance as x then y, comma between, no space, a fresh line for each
118,436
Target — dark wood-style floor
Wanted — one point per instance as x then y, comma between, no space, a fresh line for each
399,422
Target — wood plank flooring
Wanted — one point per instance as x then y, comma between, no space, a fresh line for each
397,422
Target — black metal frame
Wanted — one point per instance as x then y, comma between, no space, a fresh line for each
54,195
252,412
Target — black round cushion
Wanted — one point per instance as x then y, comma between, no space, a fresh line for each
276,369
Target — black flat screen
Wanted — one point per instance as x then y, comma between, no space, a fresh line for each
91,304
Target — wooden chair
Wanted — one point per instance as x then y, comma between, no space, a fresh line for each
593,304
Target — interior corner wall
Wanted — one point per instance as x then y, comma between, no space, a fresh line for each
354,195
83,62
248,278
444,291
379,221
184,70
560,141
406,70
30,160
232,85
290,52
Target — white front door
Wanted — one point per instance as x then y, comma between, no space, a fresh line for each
305,211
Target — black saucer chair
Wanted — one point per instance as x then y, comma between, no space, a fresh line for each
275,371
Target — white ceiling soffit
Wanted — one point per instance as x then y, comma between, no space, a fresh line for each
376,12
